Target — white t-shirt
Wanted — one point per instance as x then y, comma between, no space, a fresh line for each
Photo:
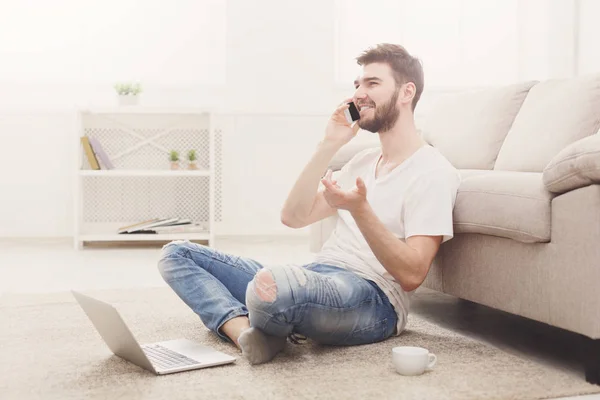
415,198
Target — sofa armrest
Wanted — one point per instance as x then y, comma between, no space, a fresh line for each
575,166
321,231
315,237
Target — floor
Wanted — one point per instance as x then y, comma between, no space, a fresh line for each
47,265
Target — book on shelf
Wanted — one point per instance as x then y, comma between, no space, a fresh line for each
181,221
170,229
138,225
89,153
95,154
101,154
152,224
186,228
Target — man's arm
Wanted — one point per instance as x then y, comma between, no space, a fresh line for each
304,205
407,262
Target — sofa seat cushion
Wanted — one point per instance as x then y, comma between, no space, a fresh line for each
467,173
514,205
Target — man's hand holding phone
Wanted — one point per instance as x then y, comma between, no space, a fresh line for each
339,130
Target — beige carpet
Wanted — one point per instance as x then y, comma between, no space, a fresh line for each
50,350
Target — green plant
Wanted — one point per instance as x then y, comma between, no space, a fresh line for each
174,155
127,88
192,155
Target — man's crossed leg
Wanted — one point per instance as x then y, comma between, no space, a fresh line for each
325,303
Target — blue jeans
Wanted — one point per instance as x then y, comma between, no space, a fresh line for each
328,304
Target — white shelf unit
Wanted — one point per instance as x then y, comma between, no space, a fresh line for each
141,172
142,186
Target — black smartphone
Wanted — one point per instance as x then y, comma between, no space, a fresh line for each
352,113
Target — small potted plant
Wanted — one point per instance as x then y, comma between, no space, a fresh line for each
174,158
192,158
128,93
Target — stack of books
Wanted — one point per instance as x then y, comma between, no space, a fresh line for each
162,225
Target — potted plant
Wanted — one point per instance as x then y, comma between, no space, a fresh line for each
192,158
174,158
128,93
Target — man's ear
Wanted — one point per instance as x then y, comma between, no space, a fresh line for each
408,93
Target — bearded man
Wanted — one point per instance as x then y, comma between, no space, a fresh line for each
394,203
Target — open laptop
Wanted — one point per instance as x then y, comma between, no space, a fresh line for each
161,357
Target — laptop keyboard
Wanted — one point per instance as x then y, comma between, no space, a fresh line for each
165,358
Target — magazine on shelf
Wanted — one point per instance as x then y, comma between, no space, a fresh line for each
124,229
181,221
147,225
186,228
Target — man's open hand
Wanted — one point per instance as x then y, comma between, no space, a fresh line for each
351,200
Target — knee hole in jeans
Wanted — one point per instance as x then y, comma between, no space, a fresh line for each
264,286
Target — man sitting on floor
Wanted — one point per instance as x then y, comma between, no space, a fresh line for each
395,208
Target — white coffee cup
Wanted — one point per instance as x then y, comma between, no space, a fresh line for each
412,361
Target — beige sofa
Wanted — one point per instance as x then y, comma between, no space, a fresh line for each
527,213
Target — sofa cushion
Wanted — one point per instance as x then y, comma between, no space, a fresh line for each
467,173
555,114
514,205
577,165
469,128
363,140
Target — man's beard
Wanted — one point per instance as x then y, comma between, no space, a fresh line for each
385,116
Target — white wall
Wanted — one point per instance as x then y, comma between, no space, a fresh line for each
265,153
273,111
588,50
36,166
280,90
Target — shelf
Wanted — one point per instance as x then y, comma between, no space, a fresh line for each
107,233
145,110
137,139
143,172
114,237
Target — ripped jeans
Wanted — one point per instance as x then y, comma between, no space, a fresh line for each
328,304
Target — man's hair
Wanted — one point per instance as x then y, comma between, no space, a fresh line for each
406,68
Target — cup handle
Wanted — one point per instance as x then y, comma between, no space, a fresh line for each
432,360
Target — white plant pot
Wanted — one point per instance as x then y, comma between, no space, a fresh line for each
128,100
